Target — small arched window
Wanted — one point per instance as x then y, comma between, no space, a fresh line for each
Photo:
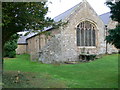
86,34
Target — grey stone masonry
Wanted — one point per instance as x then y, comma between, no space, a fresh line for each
63,46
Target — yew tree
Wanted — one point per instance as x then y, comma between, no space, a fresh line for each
20,16
114,34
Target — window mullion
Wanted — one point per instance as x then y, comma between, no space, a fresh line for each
91,37
87,37
80,37
84,33
94,38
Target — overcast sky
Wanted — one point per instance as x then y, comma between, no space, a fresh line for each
59,6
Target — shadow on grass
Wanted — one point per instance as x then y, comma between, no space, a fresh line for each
13,79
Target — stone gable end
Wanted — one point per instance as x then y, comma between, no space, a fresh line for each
64,48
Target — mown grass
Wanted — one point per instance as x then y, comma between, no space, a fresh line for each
101,73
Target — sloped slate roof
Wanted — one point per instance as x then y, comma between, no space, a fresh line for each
65,14
22,39
62,16
105,18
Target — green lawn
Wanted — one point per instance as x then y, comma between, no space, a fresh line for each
101,73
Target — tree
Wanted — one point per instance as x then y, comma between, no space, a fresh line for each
115,10
10,47
19,16
114,34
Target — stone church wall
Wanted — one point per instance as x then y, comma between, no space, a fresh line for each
69,45
21,49
37,43
51,53
62,45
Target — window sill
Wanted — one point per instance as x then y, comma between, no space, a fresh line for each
86,46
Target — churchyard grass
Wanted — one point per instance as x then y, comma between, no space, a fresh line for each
101,73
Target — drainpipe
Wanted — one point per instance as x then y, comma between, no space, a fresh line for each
106,41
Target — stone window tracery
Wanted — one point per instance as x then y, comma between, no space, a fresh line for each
86,34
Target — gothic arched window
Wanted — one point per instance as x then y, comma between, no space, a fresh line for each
86,34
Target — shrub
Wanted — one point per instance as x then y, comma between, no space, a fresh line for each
12,54
10,47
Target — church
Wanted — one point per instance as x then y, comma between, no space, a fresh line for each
85,32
